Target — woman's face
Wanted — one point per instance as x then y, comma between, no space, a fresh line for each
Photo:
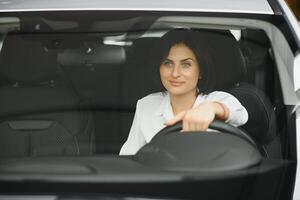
180,71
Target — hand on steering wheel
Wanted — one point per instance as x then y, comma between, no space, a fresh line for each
200,117
216,125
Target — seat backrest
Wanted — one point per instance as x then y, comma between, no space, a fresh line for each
39,115
262,119
95,71
256,49
141,77
229,63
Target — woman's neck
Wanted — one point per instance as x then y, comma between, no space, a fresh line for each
180,103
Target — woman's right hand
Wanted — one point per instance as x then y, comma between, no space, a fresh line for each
200,117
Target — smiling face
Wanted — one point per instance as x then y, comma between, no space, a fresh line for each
180,71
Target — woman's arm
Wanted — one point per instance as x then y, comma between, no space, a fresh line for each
221,110
135,138
220,105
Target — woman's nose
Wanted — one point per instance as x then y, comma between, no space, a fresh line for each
176,71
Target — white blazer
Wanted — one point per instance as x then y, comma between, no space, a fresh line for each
155,109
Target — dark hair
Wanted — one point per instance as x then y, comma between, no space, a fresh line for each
198,43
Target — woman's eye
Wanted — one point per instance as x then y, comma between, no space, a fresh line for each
167,63
186,65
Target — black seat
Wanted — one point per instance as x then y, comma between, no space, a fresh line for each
231,76
262,119
39,116
255,47
96,76
139,79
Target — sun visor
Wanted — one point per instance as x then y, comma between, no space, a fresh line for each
93,56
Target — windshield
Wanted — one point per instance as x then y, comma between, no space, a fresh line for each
86,98
70,86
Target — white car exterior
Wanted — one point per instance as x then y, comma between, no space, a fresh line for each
287,61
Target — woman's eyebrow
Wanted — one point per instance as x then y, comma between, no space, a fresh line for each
186,59
167,59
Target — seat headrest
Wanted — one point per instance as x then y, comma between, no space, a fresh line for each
97,55
23,59
227,61
141,77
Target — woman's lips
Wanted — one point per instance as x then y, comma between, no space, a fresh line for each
176,83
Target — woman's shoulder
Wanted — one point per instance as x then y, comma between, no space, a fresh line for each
228,99
152,98
217,95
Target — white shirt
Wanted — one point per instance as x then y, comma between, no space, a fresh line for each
155,109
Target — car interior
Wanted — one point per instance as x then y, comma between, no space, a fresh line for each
67,94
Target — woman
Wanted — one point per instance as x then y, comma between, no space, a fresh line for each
183,62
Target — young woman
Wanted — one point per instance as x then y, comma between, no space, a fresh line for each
185,74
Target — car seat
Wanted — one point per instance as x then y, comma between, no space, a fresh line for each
140,78
228,62
96,76
39,115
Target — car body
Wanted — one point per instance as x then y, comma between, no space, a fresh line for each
71,73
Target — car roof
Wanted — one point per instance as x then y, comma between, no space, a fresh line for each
227,6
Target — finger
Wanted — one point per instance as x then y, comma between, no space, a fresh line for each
201,126
185,125
175,119
192,126
198,127
206,125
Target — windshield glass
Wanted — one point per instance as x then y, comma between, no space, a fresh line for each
70,84
89,103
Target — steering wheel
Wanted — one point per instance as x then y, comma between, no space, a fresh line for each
170,149
216,125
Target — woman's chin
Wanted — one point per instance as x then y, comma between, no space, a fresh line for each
176,92
180,91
